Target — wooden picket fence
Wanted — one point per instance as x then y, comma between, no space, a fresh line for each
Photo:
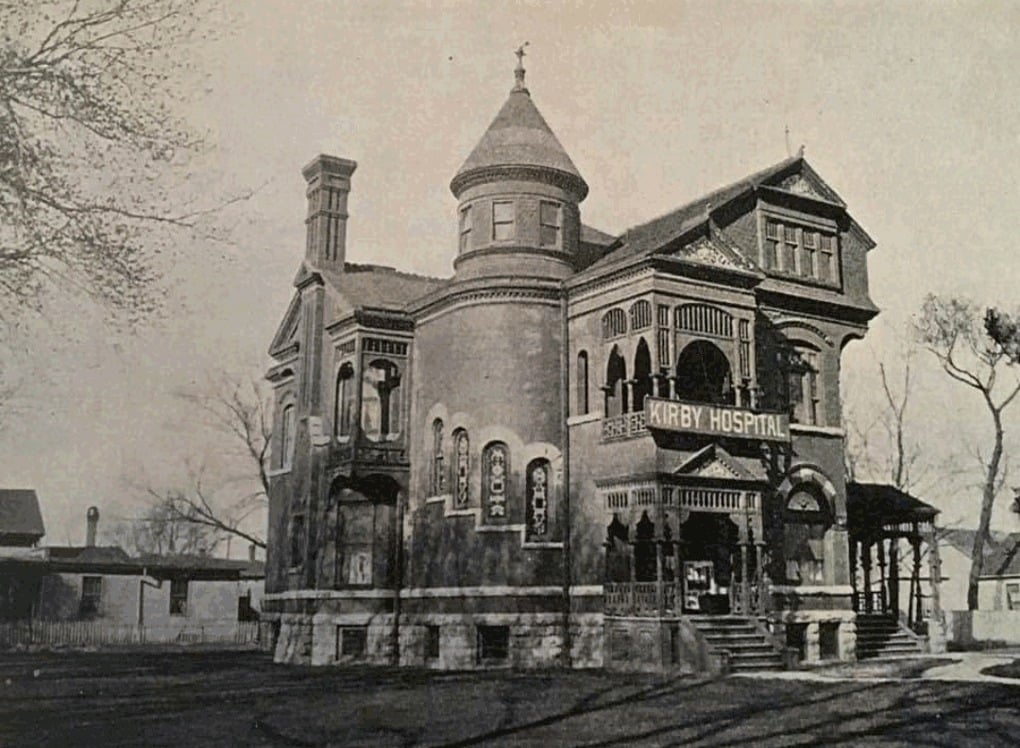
78,634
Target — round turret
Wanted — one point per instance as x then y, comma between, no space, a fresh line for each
519,194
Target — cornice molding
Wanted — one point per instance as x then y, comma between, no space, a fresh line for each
519,172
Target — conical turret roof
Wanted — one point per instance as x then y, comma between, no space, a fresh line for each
519,136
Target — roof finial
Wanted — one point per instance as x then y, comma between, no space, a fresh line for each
519,70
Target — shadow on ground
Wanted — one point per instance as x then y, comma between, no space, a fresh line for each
243,699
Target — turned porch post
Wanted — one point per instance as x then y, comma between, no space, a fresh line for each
866,569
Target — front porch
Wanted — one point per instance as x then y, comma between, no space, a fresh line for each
890,529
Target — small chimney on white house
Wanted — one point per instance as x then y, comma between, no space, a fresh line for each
329,183
91,524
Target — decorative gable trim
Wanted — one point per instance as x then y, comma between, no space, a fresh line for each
713,462
285,342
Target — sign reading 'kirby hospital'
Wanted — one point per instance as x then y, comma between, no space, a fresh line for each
716,420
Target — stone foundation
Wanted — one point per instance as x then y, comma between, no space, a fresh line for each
812,621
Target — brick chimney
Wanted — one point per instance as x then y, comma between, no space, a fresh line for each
329,183
91,524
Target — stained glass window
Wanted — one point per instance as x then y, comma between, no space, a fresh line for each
462,468
495,461
538,499
438,468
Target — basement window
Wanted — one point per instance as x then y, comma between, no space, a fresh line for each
493,644
431,642
351,642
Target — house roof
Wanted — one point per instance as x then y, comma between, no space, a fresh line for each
518,136
1003,558
19,513
380,286
875,505
654,234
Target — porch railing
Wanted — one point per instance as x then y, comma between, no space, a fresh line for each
641,598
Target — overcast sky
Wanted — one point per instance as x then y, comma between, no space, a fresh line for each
907,109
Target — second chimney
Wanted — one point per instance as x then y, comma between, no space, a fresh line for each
91,524
329,183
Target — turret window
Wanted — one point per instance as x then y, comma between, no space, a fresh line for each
461,468
466,224
503,221
549,224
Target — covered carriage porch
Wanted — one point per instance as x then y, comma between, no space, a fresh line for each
893,537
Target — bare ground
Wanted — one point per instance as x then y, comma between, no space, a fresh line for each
241,698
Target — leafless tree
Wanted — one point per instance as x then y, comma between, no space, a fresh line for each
239,411
160,531
89,94
975,350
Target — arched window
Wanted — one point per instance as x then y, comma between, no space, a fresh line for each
288,424
461,468
805,522
614,322
803,385
438,480
642,375
342,401
495,476
703,374
537,499
616,384
380,401
640,315
582,383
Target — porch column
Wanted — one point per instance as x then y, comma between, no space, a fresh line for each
936,624
759,577
745,583
855,549
894,575
632,571
660,600
629,384
883,600
866,569
672,386
916,543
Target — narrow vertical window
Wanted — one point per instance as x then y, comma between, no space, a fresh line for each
466,224
789,259
662,336
808,265
549,224
771,258
342,406
178,597
827,258
804,386
438,467
287,426
495,461
502,221
537,499
744,328
582,383
462,468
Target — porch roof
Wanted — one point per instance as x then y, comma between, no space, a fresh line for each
873,506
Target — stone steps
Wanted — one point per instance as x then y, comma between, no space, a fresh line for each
882,636
747,647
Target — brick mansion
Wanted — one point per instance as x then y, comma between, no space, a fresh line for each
581,449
